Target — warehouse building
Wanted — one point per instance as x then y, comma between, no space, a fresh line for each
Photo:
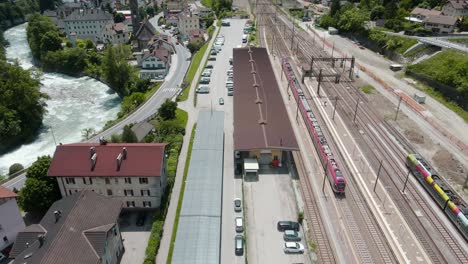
262,129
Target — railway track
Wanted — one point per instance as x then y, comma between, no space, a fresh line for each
305,49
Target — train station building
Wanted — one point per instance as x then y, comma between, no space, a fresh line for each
263,135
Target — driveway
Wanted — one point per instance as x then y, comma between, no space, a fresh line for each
269,200
135,238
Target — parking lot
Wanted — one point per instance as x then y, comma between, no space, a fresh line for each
135,238
269,200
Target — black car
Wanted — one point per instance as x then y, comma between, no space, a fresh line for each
288,225
141,219
239,245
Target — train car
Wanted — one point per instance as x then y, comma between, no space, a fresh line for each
333,171
447,199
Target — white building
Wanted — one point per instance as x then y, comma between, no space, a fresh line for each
455,8
11,221
154,63
187,22
440,24
87,24
134,172
115,34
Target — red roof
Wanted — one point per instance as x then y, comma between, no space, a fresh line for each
74,160
5,193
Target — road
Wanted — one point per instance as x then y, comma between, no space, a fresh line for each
168,89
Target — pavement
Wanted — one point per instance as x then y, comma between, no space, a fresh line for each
135,238
168,89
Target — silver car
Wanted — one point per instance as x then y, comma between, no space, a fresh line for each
293,247
237,205
291,235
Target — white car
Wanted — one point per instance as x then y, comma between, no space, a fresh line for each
239,225
293,247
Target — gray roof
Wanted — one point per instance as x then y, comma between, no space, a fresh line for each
89,15
78,236
142,129
442,20
199,230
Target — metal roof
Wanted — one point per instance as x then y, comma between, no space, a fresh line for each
260,117
198,237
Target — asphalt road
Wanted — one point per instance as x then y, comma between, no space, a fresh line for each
168,89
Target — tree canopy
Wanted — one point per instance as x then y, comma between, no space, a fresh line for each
38,27
128,136
116,70
167,110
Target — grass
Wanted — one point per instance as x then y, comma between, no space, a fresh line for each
181,196
152,90
405,43
196,60
415,51
181,117
459,40
368,89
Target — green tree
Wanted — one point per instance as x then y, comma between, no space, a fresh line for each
150,11
128,136
46,4
391,8
377,12
119,17
335,7
130,103
194,46
88,133
51,41
167,111
117,72
464,24
15,168
40,191
352,20
38,26
89,44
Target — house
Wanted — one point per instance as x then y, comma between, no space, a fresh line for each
455,8
134,173
187,22
175,6
115,34
11,221
87,24
80,228
440,24
161,42
195,35
154,63
144,34
419,14
172,19
202,11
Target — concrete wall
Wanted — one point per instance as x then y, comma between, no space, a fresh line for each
11,221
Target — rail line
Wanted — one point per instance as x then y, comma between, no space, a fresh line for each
308,50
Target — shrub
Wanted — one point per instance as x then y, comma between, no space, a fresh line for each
15,168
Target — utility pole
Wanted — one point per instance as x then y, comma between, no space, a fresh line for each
355,111
398,108
333,50
311,66
292,38
319,81
323,46
406,181
325,176
334,109
378,175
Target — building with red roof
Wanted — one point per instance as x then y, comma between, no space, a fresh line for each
11,221
134,172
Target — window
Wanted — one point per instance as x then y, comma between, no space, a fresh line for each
109,192
70,180
130,204
128,180
143,180
146,204
145,192
116,180
69,192
128,192
107,181
5,239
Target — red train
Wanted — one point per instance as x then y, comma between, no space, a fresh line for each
335,176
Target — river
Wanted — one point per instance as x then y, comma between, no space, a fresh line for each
74,104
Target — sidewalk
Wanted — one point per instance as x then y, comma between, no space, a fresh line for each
187,105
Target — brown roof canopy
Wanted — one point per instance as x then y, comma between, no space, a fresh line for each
260,117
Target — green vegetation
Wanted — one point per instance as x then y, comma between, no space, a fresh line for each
172,134
299,14
196,60
368,89
394,43
220,7
167,111
459,40
15,168
181,196
13,13
21,110
40,191
416,51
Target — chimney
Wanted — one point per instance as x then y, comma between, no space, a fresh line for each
119,161
92,150
41,239
93,161
57,214
124,153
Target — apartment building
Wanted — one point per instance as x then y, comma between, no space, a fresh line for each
455,8
80,228
115,34
87,24
133,172
11,221
155,63
187,22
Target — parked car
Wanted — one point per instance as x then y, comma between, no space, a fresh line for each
230,60
212,58
225,23
239,224
230,93
203,89
293,247
239,245
291,235
205,80
237,205
288,225
209,66
221,101
206,74
141,219
230,79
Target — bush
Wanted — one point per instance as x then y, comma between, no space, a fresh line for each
15,168
300,217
